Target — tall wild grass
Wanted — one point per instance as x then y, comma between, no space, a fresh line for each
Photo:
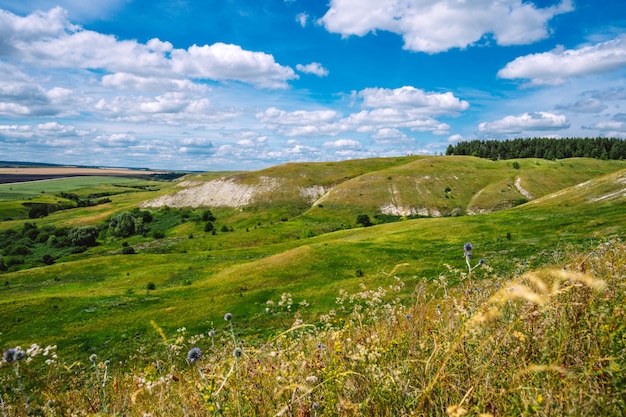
549,342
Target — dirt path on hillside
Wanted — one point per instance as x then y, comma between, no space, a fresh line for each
522,190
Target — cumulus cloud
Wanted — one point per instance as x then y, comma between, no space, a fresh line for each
47,139
131,82
434,26
556,66
615,128
314,68
299,117
413,99
389,134
22,96
455,138
385,113
48,39
199,146
168,108
538,121
343,144
116,140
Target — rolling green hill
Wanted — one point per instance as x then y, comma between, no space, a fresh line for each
284,240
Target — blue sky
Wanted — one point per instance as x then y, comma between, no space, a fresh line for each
247,84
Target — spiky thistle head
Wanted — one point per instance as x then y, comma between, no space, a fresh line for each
237,352
194,354
13,355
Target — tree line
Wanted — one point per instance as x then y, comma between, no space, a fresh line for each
546,148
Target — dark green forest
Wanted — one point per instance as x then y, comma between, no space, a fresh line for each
546,148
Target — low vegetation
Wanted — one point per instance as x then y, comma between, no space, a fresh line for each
550,342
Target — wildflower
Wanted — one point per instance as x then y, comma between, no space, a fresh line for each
311,379
228,317
13,355
409,317
237,352
212,333
93,358
468,247
194,354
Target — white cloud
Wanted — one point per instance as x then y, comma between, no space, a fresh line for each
615,128
299,117
455,138
538,121
116,140
314,68
222,61
343,143
556,66
198,146
48,39
168,108
386,112
79,9
414,99
388,134
302,18
434,26
21,95
130,82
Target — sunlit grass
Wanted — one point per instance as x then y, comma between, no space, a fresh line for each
549,342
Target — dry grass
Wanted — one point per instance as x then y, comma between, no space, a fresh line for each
550,342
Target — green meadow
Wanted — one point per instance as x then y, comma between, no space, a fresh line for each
284,258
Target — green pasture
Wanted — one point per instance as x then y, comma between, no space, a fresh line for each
23,190
121,190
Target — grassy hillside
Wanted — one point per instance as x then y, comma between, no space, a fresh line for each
99,302
331,195
548,342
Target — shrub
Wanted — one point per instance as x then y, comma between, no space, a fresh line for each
47,259
207,216
83,236
364,220
122,224
128,250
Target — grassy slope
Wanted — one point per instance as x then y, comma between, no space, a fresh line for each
100,304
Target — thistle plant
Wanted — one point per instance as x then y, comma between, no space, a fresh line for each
468,247
101,379
13,356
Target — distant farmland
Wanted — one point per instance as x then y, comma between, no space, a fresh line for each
16,175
